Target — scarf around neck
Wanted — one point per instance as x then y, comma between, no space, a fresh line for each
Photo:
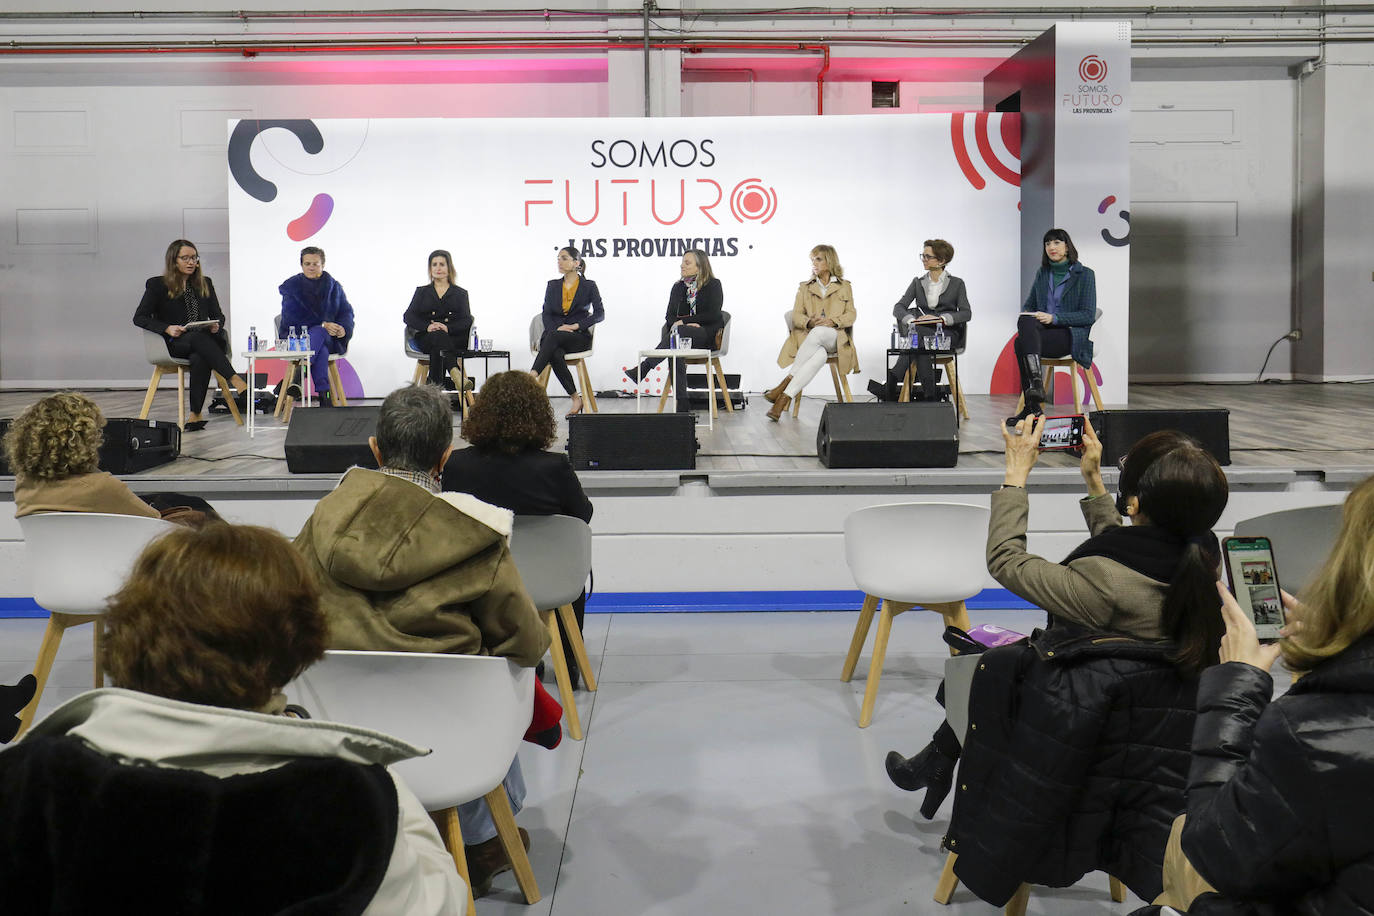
1146,549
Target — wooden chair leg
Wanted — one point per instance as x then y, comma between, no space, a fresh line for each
569,621
856,645
543,377
956,615
560,671
796,405
835,380
1016,906
1073,387
152,390
421,371
848,397
711,388
456,374
944,888
451,832
1092,386
952,370
97,638
230,398
1117,889
181,397
724,386
587,393
509,835
905,396
667,387
283,399
47,653
875,666
336,392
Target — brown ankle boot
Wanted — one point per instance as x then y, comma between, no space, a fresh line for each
779,407
773,394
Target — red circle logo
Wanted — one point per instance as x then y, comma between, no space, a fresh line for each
753,201
1092,69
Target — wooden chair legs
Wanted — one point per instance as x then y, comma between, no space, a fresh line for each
1016,906
724,387
336,389
954,614
585,380
158,372
421,371
569,621
230,398
451,832
47,653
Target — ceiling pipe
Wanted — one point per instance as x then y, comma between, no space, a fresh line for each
820,80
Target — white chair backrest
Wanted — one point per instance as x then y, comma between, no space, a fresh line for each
155,349
554,556
1301,539
407,335
470,710
536,332
78,559
724,338
881,544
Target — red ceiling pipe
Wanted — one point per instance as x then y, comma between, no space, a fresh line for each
820,80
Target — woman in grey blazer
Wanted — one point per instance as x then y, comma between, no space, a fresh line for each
934,299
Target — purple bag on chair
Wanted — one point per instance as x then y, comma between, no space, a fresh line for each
992,636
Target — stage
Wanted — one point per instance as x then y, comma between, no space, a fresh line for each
757,525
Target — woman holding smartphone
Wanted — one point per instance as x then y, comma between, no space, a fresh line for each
1278,794
1056,317
181,305
822,316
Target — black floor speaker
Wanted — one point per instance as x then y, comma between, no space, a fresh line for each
330,440
130,445
917,435
1119,430
696,392
632,441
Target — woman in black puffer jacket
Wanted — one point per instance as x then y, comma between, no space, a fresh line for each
1279,800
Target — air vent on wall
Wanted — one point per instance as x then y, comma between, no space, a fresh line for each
886,95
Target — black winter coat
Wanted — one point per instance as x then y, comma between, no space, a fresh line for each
1281,794
1075,760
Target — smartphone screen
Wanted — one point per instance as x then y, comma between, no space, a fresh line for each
1061,433
1255,582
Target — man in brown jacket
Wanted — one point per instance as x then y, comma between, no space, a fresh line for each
404,567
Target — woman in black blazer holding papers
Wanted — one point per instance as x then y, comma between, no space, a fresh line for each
572,305
694,311
439,318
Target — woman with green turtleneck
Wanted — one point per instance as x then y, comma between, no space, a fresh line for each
1059,311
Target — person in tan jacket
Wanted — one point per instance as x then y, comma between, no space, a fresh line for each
404,567
822,317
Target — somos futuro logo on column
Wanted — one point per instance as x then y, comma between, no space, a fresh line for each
1092,95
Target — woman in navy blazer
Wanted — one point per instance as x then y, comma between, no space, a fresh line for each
571,306
1055,320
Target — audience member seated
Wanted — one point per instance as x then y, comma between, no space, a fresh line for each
510,429
1278,794
1078,749
316,301
406,568
184,789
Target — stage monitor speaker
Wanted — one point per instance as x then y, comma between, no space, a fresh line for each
1119,430
632,441
696,392
330,440
917,435
133,445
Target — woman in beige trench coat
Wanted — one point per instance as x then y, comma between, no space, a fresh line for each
822,317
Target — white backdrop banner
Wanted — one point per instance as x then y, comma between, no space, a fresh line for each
503,195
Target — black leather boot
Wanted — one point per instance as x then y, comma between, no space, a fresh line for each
930,770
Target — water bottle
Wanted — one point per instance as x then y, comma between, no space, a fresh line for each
915,342
292,341
475,348
893,344
304,337
940,339
252,338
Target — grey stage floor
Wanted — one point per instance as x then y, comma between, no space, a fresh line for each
722,773
1272,426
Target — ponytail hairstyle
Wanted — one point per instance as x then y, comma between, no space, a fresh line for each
576,256
1181,489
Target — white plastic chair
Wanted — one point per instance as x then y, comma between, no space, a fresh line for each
1301,539
471,710
842,392
878,548
575,361
554,556
155,350
715,375
77,560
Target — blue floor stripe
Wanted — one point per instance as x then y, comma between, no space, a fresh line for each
687,602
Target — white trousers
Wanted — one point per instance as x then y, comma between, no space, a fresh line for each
818,346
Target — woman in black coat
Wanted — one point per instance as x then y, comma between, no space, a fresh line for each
507,464
182,296
572,305
1279,801
694,311
439,319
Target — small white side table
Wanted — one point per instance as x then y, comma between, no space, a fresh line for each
293,357
673,356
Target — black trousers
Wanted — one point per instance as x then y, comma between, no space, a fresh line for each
1036,339
701,338
554,346
442,348
206,353
925,369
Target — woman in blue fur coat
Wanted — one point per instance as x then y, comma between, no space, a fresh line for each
314,299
